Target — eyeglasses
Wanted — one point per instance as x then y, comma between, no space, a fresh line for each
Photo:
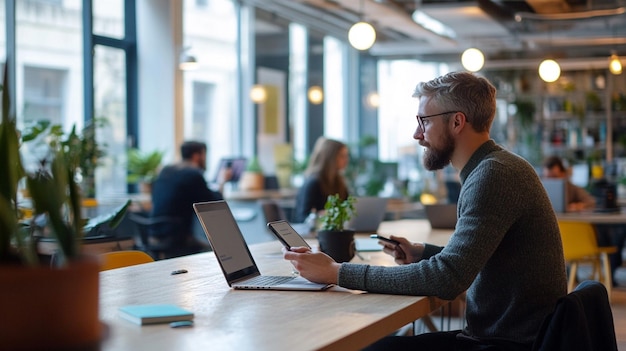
420,119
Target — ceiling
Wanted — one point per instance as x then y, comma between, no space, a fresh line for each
509,32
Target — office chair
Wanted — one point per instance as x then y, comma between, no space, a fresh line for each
272,211
143,223
119,259
580,246
582,320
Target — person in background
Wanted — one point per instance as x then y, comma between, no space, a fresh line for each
174,191
323,177
578,199
505,251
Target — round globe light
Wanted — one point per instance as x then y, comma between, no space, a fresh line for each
316,95
549,71
258,95
473,59
615,66
362,36
373,100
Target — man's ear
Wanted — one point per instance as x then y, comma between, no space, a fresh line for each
459,119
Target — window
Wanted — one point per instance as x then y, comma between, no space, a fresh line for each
43,94
210,91
108,18
110,106
202,101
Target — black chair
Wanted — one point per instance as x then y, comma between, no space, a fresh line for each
272,211
582,320
143,222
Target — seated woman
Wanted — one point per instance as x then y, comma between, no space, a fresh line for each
323,177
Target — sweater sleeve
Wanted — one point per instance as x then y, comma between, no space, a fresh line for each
449,271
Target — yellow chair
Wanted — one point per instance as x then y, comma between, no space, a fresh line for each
580,245
119,259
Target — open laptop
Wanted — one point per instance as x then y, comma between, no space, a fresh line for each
233,254
557,192
441,216
370,212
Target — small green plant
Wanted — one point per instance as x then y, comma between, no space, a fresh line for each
143,166
254,166
337,212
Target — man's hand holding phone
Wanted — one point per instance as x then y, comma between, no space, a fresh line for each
402,250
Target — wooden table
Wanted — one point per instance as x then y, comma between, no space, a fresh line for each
595,217
253,195
227,319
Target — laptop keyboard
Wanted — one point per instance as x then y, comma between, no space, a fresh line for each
268,280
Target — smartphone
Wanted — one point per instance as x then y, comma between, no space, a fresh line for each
286,234
380,237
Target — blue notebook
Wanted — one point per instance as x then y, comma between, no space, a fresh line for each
150,314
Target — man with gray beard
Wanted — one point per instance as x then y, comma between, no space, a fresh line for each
505,251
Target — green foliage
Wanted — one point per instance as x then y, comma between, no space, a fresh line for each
593,101
81,151
143,166
337,212
300,166
364,173
55,193
53,189
254,166
525,112
11,171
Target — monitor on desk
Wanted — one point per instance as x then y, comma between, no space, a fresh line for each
236,164
557,192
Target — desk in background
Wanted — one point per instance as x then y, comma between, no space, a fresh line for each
595,217
227,319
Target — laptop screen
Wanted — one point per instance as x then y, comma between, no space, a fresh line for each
370,211
226,239
556,190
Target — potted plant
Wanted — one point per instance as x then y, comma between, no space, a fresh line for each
81,151
252,178
143,167
44,306
334,239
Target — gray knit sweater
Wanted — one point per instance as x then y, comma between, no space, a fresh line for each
505,251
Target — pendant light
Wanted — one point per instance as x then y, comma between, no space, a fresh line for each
315,95
549,70
362,35
615,65
187,61
258,94
472,59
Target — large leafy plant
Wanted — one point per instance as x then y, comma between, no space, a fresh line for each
81,151
337,212
143,166
56,198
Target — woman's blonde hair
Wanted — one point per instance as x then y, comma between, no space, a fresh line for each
323,163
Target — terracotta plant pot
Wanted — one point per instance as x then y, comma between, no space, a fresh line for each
337,244
50,309
251,181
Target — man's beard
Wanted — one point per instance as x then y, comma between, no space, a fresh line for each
435,159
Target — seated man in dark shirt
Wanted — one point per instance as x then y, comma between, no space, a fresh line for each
174,191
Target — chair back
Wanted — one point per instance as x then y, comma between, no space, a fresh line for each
582,320
272,211
579,239
143,222
119,259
